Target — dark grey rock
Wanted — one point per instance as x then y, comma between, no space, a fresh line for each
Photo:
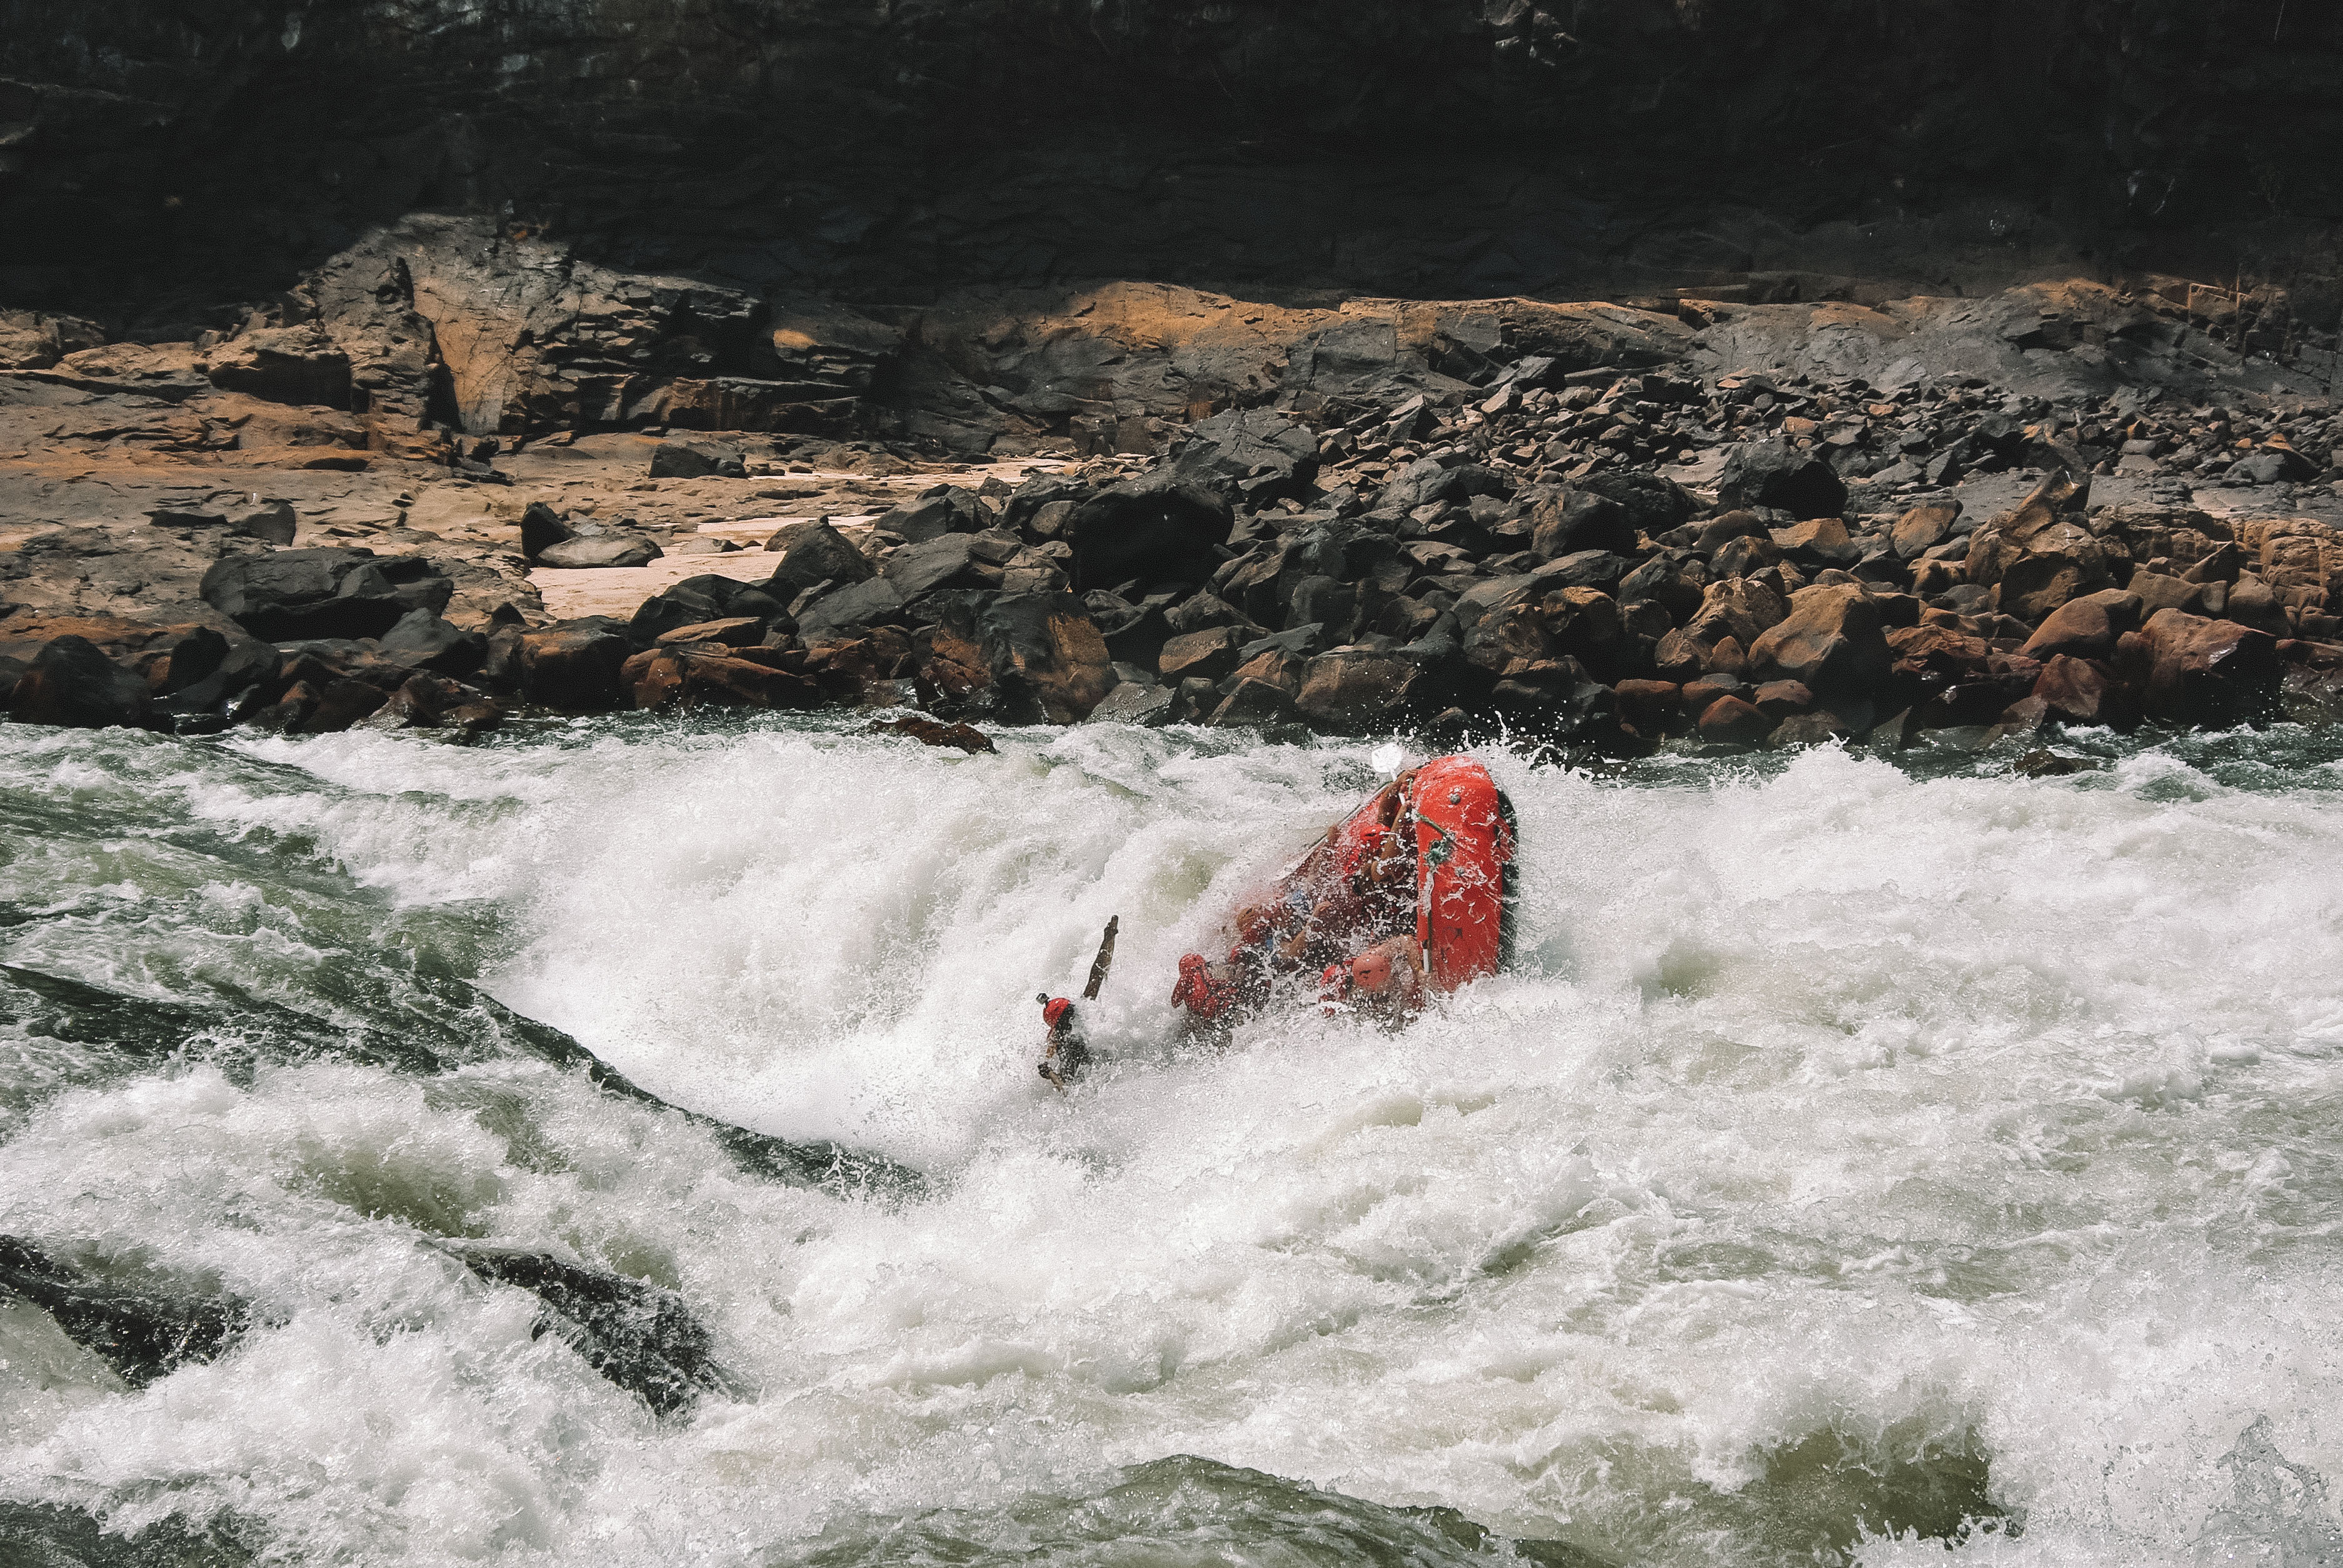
697,460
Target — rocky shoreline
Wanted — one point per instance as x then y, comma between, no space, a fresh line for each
1721,524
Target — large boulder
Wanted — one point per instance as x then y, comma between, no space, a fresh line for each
605,548
71,682
821,554
1160,527
541,528
1210,654
1660,581
574,664
1564,522
1033,658
1742,608
282,364
1653,502
1253,454
1774,473
694,675
711,597
936,563
2190,670
425,641
1831,641
2085,627
937,510
293,595
697,460
1501,621
871,603
1923,528
1358,691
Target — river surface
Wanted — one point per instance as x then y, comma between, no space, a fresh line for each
1897,1162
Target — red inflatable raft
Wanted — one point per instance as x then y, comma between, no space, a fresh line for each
1411,894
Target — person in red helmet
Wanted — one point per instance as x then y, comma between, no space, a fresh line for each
1385,982
1068,1051
1211,1001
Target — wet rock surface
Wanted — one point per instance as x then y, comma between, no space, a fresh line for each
644,1339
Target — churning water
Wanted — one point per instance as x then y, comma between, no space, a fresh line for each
1904,1163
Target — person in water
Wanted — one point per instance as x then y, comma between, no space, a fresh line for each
1211,999
1384,983
1068,1051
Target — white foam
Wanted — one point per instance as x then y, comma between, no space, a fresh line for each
1832,1100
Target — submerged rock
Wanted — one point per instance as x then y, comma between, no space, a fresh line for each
142,1333
642,1338
829,1166
44,1535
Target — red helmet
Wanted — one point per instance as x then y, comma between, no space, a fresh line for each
1056,1007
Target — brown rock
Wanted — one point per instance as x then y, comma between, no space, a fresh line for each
2039,581
1923,528
1731,721
2085,627
1742,608
1679,656
2220,565
687,677
1930,578
1698,695
2075,690
285,714
1653,707
1831,640
2028,715
1047,659
69,680
1818,534
2156,590
1281,669
1584,621
2188,669
1725,658
573,665
2251,602
1778,699
1744,557
1207,654
927,731
1254,702
340,705
1508,623
1805,729
861,668
1354,691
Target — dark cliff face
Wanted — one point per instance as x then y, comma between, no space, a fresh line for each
162,155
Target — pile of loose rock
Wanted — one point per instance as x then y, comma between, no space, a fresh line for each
1518,554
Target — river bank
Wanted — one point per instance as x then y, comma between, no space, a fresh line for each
1727,542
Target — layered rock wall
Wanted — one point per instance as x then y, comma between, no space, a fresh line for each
157,159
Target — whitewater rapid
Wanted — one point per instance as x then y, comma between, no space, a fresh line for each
1858,1141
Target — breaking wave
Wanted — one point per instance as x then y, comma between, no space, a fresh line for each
1871,1160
